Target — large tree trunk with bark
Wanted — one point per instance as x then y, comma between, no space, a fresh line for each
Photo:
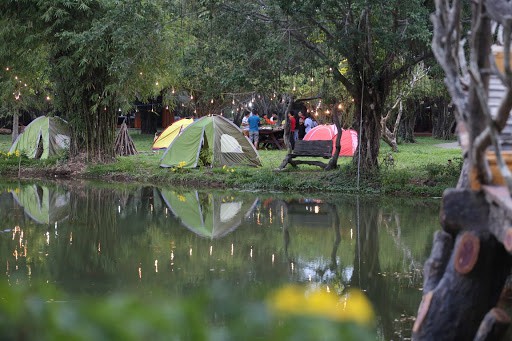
443,119
370,133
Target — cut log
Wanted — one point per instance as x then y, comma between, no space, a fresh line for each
463,208
463,296
436,264
466,253
494,326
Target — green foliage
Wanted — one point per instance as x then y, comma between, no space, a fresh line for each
40,313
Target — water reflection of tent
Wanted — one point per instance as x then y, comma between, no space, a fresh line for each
42,204
209,215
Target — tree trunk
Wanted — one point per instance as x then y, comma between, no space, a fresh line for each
286,134
333,162
443,119
408,122
370,135
15,125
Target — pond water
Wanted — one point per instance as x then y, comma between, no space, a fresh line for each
97,239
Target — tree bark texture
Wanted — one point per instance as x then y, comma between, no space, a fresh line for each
370,134
443,119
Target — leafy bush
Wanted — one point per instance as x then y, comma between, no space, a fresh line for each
292,314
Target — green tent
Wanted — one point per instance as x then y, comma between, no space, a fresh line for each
42,204
211,141
208,214
43,137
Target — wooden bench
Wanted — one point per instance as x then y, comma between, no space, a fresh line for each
305,149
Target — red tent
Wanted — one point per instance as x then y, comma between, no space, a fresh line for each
328,132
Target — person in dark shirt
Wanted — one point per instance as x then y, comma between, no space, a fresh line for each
301,127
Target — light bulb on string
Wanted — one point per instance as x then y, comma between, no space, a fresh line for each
156,83
48,98
173,90
312,79
16,77
7,69
191,97
211,101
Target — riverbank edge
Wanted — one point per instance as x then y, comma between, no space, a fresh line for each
340,181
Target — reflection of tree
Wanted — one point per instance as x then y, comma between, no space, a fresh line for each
91,247
367,266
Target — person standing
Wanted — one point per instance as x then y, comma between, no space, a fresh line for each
308,123
254,129
293,123
301,129
245,124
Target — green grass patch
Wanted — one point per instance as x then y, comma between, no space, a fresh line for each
420,168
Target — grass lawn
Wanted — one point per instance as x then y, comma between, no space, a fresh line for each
421,168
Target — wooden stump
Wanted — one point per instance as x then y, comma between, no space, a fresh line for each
463,281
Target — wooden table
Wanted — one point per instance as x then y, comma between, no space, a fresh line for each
271,138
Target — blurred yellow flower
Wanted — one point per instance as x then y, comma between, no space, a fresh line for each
352,306
17,153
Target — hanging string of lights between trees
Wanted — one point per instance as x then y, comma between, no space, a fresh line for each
193,96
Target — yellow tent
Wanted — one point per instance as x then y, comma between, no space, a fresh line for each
170,133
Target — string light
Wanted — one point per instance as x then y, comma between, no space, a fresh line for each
211,101
173,90
156,83
7,69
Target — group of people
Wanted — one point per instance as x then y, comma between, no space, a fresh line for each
251,123
300,125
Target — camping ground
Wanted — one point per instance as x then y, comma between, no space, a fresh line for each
424,168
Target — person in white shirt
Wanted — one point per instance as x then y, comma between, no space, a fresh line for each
245,124
308,123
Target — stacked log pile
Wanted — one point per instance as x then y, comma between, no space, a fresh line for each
124,145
